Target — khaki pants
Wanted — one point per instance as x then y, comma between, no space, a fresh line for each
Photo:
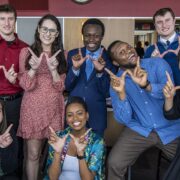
128,148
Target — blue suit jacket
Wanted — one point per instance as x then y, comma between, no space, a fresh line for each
94,90
170,58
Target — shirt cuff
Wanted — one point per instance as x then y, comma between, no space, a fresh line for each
76,72
99,75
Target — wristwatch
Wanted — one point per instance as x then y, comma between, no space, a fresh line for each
146,85
80,157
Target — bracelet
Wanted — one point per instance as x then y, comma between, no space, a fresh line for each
80,157
146,85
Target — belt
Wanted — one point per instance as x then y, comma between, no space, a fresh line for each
10,97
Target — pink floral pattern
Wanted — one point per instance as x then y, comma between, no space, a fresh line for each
43,102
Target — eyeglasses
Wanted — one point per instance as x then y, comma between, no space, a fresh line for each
45,30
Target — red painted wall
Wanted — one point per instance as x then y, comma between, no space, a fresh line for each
105,8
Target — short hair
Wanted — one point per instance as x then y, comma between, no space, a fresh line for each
7,8
93,21
78,100
112,45
146,43
162,12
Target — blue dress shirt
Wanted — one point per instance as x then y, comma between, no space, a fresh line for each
89,64
142,111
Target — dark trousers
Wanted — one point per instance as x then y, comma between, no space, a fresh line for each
12,109
128,148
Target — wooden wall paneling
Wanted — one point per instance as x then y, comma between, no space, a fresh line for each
115,29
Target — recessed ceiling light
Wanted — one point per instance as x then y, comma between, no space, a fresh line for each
82,1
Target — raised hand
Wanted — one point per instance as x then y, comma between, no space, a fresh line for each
10,74
117,83
155,53
52,62
81,142
169,89
99,64
78,60
55,141
139,76
5,138
35,61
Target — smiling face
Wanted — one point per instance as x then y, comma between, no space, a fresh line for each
76,117
7,23
47,32
165,25
124,54
92,36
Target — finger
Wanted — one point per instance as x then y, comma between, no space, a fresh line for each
169,78
79,52
100,55
56,53
177,87
12,67
4,69
32,53
52,130
72,137
9,128
138,62
42,54
109,72
129,72
123,75
86,133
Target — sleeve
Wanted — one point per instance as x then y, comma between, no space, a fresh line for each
71,77
149,51
160,72
122,109
97,157
9,159
59,85
25,81
174,112
104,80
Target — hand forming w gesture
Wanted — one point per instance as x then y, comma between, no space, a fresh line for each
52,62
81,142
99,64
78,60
10,74
169,89
117,83
35,61
5,138
139,76
55,141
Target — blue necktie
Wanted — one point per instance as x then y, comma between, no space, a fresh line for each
89,66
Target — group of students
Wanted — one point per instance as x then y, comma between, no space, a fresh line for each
38,74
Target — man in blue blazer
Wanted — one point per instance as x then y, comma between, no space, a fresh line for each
86,76
168,44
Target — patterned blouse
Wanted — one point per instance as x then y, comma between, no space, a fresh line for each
94,153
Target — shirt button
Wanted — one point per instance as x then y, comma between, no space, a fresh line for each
155,125
6,59
146,102
150,114
141,91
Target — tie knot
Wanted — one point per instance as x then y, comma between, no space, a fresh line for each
168,42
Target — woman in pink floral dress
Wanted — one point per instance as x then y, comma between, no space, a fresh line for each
42,74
